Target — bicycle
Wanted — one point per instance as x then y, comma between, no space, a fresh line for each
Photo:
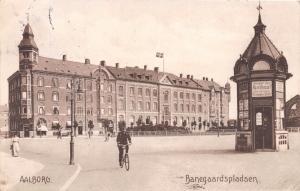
90,133
125,158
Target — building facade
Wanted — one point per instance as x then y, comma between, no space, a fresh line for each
4,128
40,94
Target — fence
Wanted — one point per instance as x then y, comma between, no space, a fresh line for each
282,140
182,133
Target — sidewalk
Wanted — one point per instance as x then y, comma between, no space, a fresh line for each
13,168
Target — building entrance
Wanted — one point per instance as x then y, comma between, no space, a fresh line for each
263,128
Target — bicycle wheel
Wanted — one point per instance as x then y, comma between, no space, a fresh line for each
122,162
127,162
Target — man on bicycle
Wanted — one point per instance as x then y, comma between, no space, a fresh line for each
123,138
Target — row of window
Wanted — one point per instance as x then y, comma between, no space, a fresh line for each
154,93
139,105
139,91
78,111
187,96
188,108
88,84
16,83
27,55
175,120
78,97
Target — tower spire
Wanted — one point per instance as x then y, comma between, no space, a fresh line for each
259,27
259,7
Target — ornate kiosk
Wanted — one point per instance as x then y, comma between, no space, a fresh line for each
261,74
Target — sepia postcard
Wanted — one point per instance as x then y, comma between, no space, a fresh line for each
169,95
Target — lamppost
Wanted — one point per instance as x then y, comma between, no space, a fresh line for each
73,93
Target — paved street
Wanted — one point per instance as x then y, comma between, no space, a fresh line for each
159,163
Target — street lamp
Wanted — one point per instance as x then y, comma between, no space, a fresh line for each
73,93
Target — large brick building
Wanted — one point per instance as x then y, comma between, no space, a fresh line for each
40,93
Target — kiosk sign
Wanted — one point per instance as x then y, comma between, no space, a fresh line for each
262,89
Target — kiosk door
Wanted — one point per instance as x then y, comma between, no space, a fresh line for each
263,128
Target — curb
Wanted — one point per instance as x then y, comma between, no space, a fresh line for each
71,179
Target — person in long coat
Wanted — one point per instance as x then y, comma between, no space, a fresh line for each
15,146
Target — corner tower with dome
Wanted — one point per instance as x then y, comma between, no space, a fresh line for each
261,73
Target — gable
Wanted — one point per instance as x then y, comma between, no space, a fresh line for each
166,80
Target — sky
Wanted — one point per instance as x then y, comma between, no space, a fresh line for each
200,38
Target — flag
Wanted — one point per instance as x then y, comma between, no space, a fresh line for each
159,55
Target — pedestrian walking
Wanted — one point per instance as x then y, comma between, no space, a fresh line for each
90,126
15,147
106,133
59,127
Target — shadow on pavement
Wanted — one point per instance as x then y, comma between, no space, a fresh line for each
178,152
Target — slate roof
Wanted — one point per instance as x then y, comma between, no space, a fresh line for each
126,73
260,44
207,85
136,74
66,67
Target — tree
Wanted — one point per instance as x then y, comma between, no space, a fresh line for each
174,123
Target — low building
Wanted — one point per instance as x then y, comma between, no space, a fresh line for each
292,110
40,94
4,129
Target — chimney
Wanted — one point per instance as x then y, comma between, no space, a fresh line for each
102,62
206,79
203,78
212,79
188,76
156,69
117,65
64,58
87,61
180,75
192,77
145,67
